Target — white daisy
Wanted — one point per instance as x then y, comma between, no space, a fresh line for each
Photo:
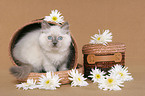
49,82
55,16
101,38
110,83
122,72
77,78
96,75
30,84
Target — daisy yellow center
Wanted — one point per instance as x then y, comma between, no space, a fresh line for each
98,76
110,80
98,38
121,74
47,82
27,84
54,18
79,79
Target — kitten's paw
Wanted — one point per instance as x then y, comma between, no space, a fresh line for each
50,68
63,69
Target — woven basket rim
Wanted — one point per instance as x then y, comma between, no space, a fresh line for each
62,74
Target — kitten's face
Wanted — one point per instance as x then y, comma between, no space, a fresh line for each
54,38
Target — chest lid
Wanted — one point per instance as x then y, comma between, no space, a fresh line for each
102,49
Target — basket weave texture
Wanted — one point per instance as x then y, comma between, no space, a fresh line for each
32,26
101,49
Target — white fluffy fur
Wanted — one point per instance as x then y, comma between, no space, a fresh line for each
35,49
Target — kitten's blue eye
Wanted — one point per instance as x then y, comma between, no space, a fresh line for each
50,37
60,38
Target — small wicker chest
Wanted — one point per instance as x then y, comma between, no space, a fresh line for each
103,57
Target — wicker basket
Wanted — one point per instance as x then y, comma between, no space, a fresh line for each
32,26
103,57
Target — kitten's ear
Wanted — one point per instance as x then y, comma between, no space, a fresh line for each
44,25
65,26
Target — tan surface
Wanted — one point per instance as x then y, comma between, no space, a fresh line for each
125,18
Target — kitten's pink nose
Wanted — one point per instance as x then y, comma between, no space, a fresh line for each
54,43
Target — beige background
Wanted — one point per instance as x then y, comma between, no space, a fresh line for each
125,19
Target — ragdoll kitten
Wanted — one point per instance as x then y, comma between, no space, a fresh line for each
46,49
